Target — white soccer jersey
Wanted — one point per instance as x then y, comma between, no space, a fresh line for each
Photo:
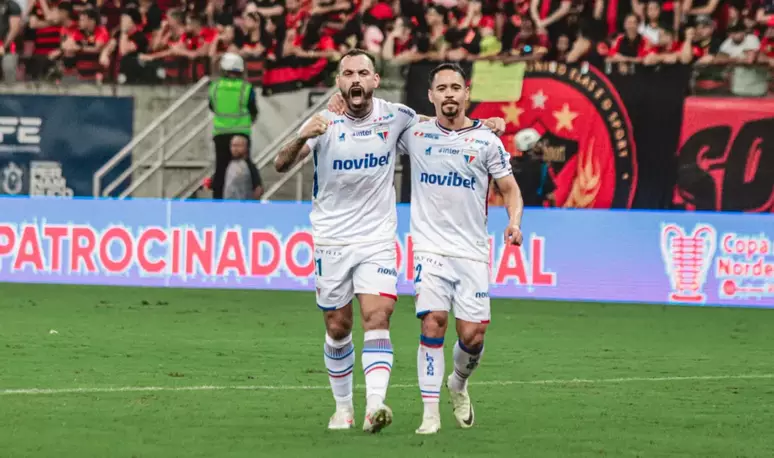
449,186
353,197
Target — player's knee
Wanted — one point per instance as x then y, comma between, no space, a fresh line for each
338,326
434,324
472,336
377,319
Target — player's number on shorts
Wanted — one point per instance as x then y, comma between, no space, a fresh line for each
418,273
318,266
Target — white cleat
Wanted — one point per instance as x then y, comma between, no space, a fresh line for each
377,418
463,408
342,419
430,425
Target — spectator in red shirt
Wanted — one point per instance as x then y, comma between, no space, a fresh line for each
44,21
398,46
228,39
89,40
766,55
126,45
530,44
628,47
252,45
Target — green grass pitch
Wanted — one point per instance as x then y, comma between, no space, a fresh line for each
240,374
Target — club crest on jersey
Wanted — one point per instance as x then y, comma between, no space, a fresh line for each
383,132
469,156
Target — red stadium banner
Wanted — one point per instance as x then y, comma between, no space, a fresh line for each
586,157
726,156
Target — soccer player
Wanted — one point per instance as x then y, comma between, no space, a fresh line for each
354,222
452,158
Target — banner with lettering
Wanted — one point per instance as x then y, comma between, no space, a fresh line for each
595,255
726,158
51,145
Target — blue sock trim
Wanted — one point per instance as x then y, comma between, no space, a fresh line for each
430,341
341,372
470,351
340,357
373,350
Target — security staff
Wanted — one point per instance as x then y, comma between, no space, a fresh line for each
233,103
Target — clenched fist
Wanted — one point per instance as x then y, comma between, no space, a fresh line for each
314,128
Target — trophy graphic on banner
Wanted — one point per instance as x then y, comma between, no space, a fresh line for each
687,258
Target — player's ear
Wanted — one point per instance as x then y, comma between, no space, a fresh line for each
430,95
467,93
377,78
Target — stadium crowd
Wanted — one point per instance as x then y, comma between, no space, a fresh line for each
290,43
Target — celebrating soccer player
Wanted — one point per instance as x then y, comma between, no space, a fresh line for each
451,161
354,222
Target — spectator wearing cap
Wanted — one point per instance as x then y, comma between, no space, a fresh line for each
490,44
233,103
706,40
243,181
10,28
741,49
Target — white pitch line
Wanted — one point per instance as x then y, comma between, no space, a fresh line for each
138,389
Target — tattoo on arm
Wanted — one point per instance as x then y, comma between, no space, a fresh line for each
288,154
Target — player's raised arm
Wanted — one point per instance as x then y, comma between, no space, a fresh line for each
302,143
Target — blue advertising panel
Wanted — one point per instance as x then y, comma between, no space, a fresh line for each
51,145
594,255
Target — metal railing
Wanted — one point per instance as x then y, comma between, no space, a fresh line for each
99,191
295,172
266,155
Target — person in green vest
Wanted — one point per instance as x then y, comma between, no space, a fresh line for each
234,108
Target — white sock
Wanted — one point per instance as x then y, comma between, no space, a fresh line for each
465,362
377,365
430,370
340,360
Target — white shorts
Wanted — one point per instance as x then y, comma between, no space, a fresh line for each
445,283
346,270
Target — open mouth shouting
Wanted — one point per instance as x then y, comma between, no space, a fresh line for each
356,95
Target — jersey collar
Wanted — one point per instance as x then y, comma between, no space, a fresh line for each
476,125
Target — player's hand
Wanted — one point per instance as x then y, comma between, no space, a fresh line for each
496,125
513,235
337,104
314,128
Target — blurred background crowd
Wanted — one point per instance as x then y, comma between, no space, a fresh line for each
292,43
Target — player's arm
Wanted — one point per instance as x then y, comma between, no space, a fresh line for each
301,144
514,205
498,165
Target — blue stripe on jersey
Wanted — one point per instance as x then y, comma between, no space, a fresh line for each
314,179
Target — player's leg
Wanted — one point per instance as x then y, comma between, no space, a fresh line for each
472,311
375,284
433,301
334,297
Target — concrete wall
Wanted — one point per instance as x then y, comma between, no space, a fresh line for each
277,113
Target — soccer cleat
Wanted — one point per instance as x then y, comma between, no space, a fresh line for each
342,419
430,425
463,408
377,419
